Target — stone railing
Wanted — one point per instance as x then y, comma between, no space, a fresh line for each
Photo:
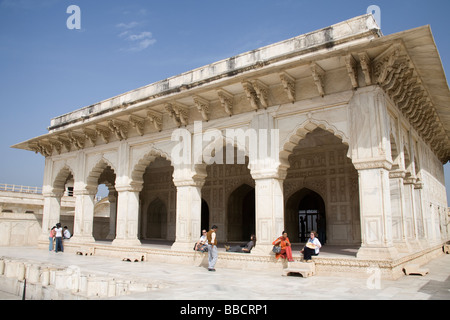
22,189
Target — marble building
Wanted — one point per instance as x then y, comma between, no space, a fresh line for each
362,122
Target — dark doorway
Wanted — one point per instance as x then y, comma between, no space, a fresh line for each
241,213
156,220
305,211
205,216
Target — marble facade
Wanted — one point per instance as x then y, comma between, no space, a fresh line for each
362,128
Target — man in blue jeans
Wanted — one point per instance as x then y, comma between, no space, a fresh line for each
58,237
212,248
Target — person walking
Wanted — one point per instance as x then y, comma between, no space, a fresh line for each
212,248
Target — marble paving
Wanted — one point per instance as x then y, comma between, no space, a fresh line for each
186,282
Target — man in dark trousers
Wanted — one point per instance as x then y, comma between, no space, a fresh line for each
212,248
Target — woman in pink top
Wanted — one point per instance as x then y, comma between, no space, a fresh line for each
51,237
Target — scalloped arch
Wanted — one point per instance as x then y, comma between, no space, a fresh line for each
97,170
60,179
302,130
137,172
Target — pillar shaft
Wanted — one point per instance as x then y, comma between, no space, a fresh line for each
51,213
376,215
269,213
127,217
84,216
188,214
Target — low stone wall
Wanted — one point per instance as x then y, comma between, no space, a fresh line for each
325,266
52,282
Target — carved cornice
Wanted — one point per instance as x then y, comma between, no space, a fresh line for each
202,106
226,100
366,66
42,147
120,128
318,75
397,174
395,73
56,145
178,112
372,164
77,139
251,94
288,83
91,135
155,118
262,92
138,123
352,70
104,132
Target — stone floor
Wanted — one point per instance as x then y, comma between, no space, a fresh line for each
190,282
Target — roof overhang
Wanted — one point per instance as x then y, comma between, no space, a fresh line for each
410,56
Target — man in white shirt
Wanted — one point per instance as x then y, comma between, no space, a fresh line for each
202,243
66,233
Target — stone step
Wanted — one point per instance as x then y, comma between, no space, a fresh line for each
446,247
305,269
415,269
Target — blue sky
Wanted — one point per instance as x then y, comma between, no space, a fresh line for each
47,70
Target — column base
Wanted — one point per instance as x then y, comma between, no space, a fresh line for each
377,253
44,237
262,250
126,243
403,247
182,246
82,239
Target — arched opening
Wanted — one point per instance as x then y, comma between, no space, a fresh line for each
103,178
241,213
229,193
157,200
321,190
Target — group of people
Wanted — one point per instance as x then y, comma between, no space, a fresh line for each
311,248
56,236
208,243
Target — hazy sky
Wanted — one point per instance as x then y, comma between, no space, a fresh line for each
47,70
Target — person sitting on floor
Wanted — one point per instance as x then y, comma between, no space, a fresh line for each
312,247
246,248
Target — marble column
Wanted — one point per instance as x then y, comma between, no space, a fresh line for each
397,194
410,217
269,209
127,216
84,215
112,198
188,213
51,212
375,211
